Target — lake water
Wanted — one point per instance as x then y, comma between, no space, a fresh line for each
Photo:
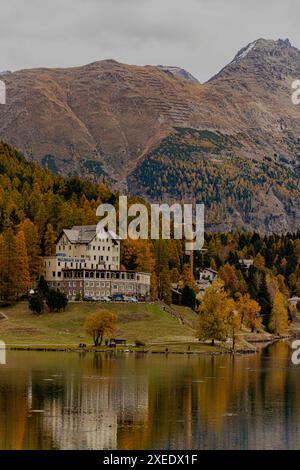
57,400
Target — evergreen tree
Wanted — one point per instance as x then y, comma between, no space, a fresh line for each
188,297
36,304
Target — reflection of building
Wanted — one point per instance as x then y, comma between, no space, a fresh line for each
88,414
88,264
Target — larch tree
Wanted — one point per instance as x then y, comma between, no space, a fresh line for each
49,240
278,323
8,266
23,263
249,311
33,248
145,262
215,311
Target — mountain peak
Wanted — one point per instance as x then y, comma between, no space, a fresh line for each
263,45
178,72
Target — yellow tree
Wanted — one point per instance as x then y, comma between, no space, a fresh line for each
49,240
215,313
99,324
33,248
249,311
187,278
278,323
145,262
23,263
228,274
8,266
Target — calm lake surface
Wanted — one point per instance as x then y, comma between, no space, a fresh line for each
99,401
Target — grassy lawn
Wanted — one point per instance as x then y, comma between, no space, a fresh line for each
144,321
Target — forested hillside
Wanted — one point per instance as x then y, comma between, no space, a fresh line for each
35,205
261,194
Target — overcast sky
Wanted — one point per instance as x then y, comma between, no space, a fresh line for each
198,35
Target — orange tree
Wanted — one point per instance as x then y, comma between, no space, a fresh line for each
99,324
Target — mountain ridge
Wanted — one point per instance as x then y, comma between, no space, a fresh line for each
149,131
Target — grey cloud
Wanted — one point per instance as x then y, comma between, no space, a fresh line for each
199,35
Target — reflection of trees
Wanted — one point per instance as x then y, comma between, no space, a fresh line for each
143,402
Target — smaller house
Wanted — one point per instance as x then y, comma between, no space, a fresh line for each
207,274
295,301
246,263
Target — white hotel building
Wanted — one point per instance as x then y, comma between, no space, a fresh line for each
88,265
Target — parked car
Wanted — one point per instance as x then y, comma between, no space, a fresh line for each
118,297
88,299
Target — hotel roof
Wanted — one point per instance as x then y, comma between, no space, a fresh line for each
84,234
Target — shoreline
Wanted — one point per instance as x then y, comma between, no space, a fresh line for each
156,329
69,349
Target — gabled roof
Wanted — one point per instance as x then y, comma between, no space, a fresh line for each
84,234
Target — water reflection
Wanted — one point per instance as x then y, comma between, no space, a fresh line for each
104,401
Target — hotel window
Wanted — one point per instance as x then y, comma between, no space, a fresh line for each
59,274
53,273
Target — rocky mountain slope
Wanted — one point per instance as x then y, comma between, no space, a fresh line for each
232,142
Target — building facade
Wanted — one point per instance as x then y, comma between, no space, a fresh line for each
87,264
